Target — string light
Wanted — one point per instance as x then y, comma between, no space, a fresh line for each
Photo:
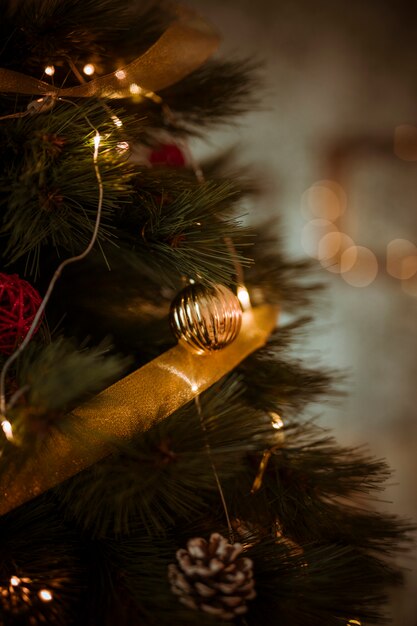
74,259
89,69
14,581
243,297
135,89
7,429
120,74
49,70
117,121
277,421
97,139
45,595
122,146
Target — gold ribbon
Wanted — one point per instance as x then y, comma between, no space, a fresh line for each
185,45
132,406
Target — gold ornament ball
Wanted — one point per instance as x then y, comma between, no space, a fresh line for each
206,318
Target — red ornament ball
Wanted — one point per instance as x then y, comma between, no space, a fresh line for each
19,302
168,155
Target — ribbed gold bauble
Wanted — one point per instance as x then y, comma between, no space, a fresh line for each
206,318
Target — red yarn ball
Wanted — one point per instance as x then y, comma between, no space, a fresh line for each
19,302
167,154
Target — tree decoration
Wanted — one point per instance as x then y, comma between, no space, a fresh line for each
150,461
206,318
184,46
179,375
19,302
212,577
169,155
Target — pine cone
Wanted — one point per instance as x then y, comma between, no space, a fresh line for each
211,578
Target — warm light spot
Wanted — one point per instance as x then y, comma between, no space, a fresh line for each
243,297
405,142
194,388
45,595
354,622
313,233
337,244
134,89
154,97
122,146
97,139
277,422
401,259
120,74
326,199
15,581
348,258
365,268
7,429
117,121
333,244
89,69
50,70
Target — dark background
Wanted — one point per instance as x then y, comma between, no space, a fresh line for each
340,106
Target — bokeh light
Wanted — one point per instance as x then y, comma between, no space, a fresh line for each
401,259
325,199
364,269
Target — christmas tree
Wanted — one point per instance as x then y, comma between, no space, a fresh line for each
151,477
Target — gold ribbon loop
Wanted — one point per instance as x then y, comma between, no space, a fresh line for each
185,45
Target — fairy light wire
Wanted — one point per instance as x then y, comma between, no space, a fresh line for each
74,259
209,452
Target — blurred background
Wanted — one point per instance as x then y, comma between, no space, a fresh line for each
337,141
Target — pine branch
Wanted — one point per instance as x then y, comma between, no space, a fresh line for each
45,559
184,234
43,157
51,381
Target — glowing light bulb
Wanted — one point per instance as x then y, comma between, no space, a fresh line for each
7,429
45,595
122,146
134,89
277,422
49,70
89,69
194,388
97,139
117,121
243,297
14,581
120,74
